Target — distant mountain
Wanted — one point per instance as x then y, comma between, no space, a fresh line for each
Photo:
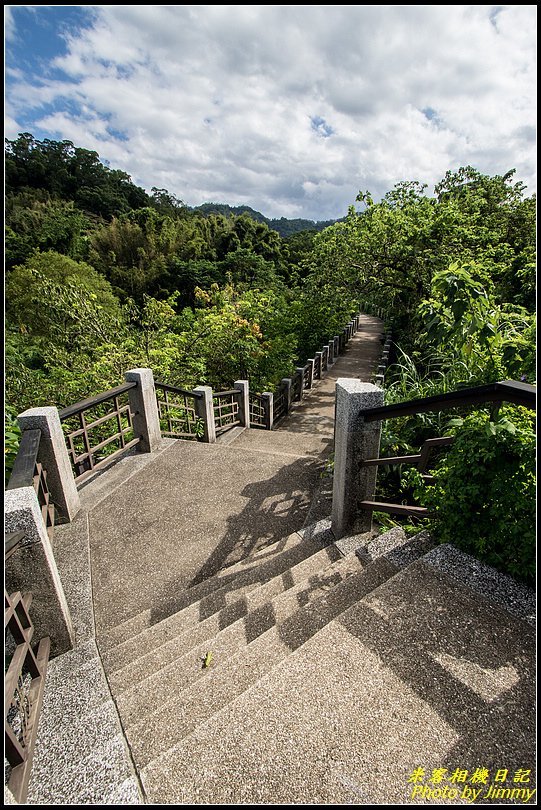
285,227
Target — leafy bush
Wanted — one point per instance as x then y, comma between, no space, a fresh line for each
484,495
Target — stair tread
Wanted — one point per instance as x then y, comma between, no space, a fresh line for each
180,671
193,623
359,712
214,587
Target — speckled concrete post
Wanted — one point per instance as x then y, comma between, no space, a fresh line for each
53,454
336,345
32,567
320,355
300,372
354,440
146,421
244,404
325,358
310,373
286,382
205,411
330,350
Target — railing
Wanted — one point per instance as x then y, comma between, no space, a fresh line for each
226,405
23,690
28,472
307,376
259,411
177,411
497,393
109,418
317,367
281,403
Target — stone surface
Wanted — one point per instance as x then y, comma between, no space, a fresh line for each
144,406
32,567
354,440
53,455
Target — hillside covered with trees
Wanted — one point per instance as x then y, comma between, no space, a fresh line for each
102,277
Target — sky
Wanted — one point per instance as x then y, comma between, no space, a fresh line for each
289,109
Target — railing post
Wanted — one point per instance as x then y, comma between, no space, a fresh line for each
330,353
286,382
319,355
300,373
354,440
310,373
325,358
32,567
244,401
205,411
336,340
268,397
143,403
53,454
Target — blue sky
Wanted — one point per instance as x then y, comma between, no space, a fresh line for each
289,109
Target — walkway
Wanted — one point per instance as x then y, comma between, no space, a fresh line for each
197,508
251,661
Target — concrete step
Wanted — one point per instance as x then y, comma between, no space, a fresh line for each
232,672
188,627
79,731
211,593
161,663
149,681
420,673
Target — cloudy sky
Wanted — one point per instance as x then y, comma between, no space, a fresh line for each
289,109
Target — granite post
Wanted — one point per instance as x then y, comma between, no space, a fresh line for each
144,406
205,411
354,440
53,455
32,567
244,401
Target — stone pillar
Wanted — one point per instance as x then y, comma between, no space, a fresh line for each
146,420
300,372
244,404
354,440
336,345
32,567
319,355
53,454
310,373
330,355
205,411
286,382
325,358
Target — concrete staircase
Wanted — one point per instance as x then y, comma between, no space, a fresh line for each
329,678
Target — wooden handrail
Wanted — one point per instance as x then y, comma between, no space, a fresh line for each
518,393
91,402
24,466
174,388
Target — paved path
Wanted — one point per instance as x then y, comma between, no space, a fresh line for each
197,508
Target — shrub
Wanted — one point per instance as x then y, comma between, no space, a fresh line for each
484,495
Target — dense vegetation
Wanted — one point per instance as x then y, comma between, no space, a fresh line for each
102,277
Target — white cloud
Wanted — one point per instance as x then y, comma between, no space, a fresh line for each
219,102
